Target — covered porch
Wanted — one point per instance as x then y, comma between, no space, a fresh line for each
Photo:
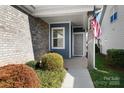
68,27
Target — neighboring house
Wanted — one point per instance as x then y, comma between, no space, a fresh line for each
29,31
112,27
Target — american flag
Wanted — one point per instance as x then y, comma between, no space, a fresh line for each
96,28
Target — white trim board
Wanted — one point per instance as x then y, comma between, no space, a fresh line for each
84,43
61,22
77,26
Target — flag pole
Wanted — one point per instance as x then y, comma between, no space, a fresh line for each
94,39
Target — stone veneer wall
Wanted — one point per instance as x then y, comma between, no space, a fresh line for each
40,36
15,37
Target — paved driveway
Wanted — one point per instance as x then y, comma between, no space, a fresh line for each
77,75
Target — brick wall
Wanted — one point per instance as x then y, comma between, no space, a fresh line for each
40,36
15,38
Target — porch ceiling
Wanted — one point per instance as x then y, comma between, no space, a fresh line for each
77,14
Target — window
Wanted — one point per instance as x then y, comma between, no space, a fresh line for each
113,14
113,17
58,38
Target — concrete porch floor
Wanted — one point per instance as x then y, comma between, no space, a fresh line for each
77,75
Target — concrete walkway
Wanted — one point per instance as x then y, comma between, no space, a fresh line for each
77,75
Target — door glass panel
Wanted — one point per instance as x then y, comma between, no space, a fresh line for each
78,44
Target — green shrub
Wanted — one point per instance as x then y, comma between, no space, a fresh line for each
52,61
116,57
48,79
51,79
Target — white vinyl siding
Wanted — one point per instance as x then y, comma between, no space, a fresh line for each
112,33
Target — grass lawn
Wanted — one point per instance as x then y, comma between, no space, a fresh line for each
106,76
49,79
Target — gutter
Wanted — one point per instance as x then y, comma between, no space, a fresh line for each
28,9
